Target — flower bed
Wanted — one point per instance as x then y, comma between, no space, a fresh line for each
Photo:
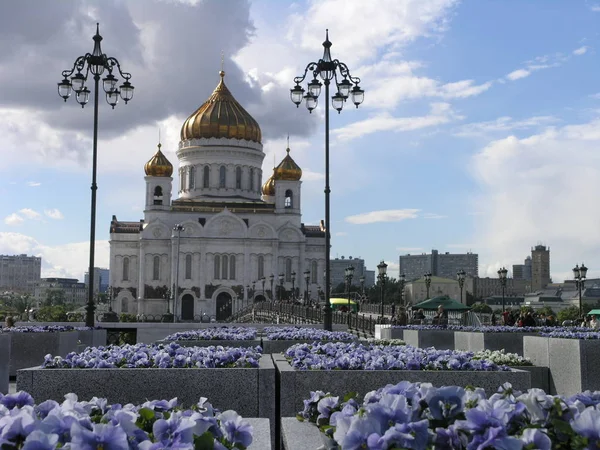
212,334
419,416
342,367
540,376
97,424
396,342
278,339
233,378
43,329
572,334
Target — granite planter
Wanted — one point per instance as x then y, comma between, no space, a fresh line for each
295,385
261,438
440,339
536,348
4,362
215,342
296,435
392,333
250,392
475,341
29,349
540,376
574,365
91,338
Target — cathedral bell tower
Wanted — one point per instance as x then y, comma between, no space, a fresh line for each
158,182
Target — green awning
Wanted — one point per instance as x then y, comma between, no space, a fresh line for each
448,303
594,312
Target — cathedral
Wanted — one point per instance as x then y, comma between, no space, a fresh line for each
227,240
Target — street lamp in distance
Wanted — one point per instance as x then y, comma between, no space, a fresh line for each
579,274
349,273
281,278
502,274
460,277
427,277
382,271
306,278
293,285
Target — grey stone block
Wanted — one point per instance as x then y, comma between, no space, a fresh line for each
29,349
261,439
92,338
574,365
215,342
295,385
536,348
440,339
297,435
267,394
475,341
392,333
5,339
540,376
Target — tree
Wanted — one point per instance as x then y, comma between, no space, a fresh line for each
52,314
547,311
482,308
54,297
570,313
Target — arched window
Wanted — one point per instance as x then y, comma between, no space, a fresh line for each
260,177
288,198
313,272
124,305
251,180
224,266
125,269
183,178
222,177
188,267
192,178
206,177
261,266
288,269
156,268
232,267
158,195
217,267
238,177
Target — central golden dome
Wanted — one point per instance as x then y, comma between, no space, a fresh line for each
221,116
288,169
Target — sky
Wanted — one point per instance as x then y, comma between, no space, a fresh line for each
480,129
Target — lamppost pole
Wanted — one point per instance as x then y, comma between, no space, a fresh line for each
460,277
402,280
271,278
306,278
427,282
579,274
362,285
178,229
293,286
263,279
327,69
253,291
382,268
349,275
280,296
502,274
95,63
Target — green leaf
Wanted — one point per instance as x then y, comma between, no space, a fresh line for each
205,441
146,413
349,396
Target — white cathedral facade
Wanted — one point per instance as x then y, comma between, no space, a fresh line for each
227,240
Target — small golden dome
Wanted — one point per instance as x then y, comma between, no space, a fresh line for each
269,187
159,165
221,116
288,169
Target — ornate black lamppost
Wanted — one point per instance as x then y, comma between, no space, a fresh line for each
427,277
362,285
402,281
253,291
382,268
579,274
327,69
306,278
74,80
281,278
349,273
271,278
502,274
247,295
460,277
293,285
319,292
177,229
262,280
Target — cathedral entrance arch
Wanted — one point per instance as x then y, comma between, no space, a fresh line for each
224,306
259,298
187,307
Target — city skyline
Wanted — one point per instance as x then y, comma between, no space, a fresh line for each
461,144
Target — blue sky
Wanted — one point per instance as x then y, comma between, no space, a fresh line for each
480,127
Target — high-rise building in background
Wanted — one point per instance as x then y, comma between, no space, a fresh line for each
60,290
522,271
19,272
540,267
443,265
101,277
338,268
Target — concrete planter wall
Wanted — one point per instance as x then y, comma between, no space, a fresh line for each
392,333
296,435
4,362
29,349
540,376
91,338
440,339
475,341
295,385
250,392
215,342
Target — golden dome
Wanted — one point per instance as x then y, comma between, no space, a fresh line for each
221,116
269,187
288,169
159,165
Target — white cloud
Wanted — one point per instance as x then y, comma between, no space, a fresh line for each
433,216
389,215
503,124
595,96
308,175
518,74
30,213
13,220
581,50
64,260
441,113
540,188
393,269
54,214
33,183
